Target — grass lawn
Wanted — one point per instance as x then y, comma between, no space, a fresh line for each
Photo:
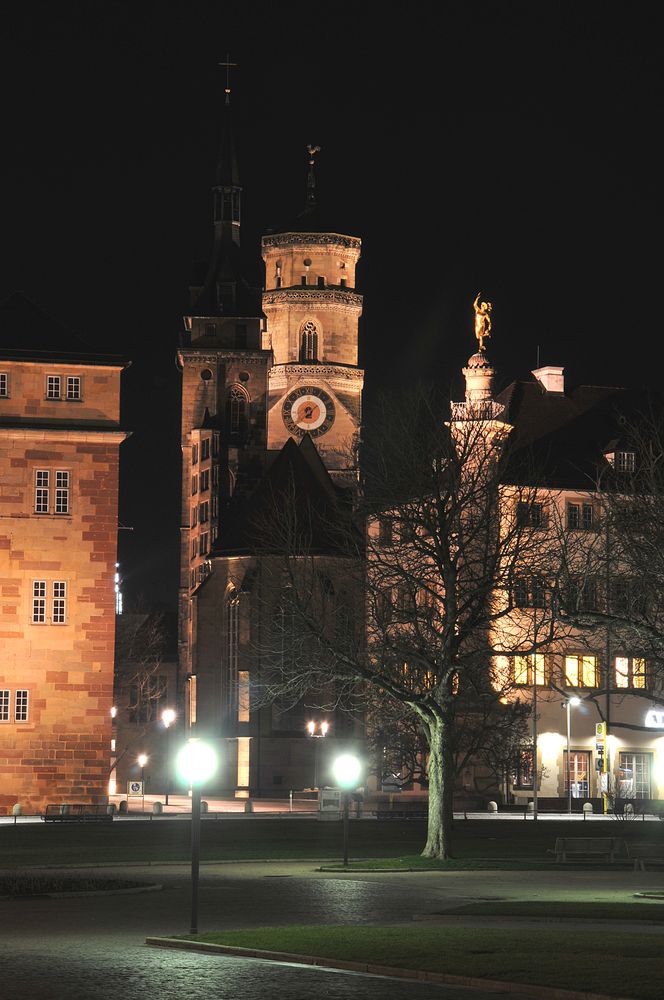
508,843
630,965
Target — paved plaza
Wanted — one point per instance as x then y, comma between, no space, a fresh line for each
93,946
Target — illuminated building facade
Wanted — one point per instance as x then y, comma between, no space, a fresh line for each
59,450
271,394
599,676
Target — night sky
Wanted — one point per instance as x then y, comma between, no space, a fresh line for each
507,147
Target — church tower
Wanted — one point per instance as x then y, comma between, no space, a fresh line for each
312,311
224,378
271,402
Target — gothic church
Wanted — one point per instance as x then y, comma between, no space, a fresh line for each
271,394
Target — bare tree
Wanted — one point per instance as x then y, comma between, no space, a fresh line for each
611,580
432,561
140,688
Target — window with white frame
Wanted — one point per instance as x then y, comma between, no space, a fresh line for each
194,548
205,449
58,607
61,492
74,387
39,602
53,386
630,672
42,491
4,385
205,480
194,485
204,512
21,705
194,516
581,671
203,543
52,491
59,602
634,775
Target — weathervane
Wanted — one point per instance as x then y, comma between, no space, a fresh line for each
228,64
482,320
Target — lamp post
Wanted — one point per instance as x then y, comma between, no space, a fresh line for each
196,762
311,729
567,704
347,770
142,760
168,717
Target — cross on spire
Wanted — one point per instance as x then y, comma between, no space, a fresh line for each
228,65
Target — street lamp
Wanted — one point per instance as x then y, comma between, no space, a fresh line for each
311,729
347,770
567,704
168,717
195,763
142,760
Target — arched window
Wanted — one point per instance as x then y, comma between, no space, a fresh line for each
236,410
309,342
232,650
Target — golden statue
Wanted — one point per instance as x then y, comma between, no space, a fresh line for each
482,320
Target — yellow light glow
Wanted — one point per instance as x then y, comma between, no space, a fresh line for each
311,728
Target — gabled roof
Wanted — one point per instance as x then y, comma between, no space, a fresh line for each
28,333
295,494
560,440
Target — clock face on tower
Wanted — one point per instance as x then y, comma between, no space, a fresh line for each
308,409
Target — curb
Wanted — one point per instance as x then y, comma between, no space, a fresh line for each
386,971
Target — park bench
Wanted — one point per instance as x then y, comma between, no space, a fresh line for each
78,812
588,848
640,853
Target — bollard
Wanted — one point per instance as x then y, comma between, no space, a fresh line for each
124,806
17,809
204,806
492,807
157,808
587,809
248,806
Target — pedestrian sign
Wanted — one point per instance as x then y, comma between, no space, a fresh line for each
134,788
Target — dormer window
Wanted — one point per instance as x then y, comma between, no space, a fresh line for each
625,461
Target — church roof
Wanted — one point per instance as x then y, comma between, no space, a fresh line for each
296,502
28,333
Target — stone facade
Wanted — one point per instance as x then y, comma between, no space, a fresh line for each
59,452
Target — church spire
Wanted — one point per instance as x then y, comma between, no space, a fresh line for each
218,293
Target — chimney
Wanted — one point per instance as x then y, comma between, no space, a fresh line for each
551,379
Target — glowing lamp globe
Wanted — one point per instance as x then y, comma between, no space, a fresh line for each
347,770
196,762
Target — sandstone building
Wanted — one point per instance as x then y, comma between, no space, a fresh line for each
59,449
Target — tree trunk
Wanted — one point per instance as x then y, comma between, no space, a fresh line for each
441,791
